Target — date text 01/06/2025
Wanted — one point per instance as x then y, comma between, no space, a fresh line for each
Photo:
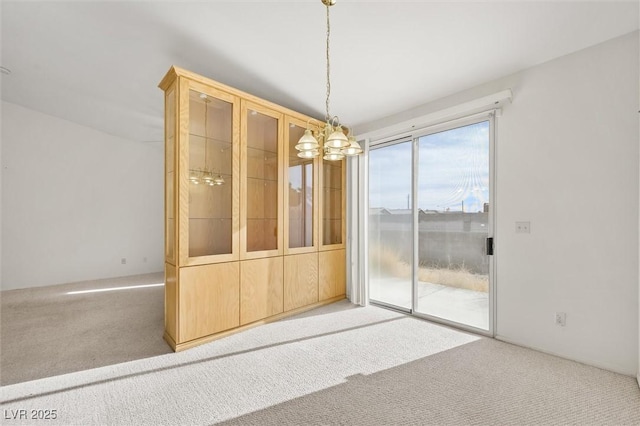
22,414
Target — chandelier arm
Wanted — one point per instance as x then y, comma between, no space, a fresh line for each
313,122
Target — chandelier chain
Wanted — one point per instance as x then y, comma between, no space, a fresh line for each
206,142
333,139
328,65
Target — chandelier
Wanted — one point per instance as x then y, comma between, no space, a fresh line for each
331,138
205,175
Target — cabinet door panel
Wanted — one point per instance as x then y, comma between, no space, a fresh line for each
209,299
300,280
333,275
261,286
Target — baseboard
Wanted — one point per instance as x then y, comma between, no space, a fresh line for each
179,347
589,362
169,340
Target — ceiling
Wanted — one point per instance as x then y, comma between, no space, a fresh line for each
98,63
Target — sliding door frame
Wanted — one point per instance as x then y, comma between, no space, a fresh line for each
414,136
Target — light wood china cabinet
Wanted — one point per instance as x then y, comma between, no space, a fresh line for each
253,233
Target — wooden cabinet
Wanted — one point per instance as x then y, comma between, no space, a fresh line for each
210,294
247,221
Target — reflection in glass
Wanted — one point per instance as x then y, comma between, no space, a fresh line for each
332,202
300,194
262,182
210,175
453,213
390,225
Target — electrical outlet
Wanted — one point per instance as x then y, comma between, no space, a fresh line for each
561,319
523,227
123,260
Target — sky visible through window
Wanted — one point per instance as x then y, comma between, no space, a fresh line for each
453,171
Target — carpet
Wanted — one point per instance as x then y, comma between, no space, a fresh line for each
338,364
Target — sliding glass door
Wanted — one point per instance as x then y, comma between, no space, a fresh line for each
430,222
391,225
453,225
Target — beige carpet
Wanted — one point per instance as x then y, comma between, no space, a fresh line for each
481,383
338,364
45,331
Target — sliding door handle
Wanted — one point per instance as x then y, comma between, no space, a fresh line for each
490,246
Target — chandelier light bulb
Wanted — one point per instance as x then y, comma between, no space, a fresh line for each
218,180
309,153
307,142
333,154
353,148
337,139
194,178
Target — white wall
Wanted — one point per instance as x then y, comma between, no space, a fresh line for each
75,201
1,169
568,162
567,154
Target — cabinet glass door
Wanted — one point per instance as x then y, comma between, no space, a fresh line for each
262,179
210,175
332,202
300,198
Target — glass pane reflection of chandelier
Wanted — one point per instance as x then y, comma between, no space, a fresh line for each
331,139
205,175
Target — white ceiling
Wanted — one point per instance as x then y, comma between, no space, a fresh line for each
98,63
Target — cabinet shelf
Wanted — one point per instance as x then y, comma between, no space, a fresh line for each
214,173
209,138
255,148
262,179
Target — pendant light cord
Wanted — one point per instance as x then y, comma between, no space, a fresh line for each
206,115
328,65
